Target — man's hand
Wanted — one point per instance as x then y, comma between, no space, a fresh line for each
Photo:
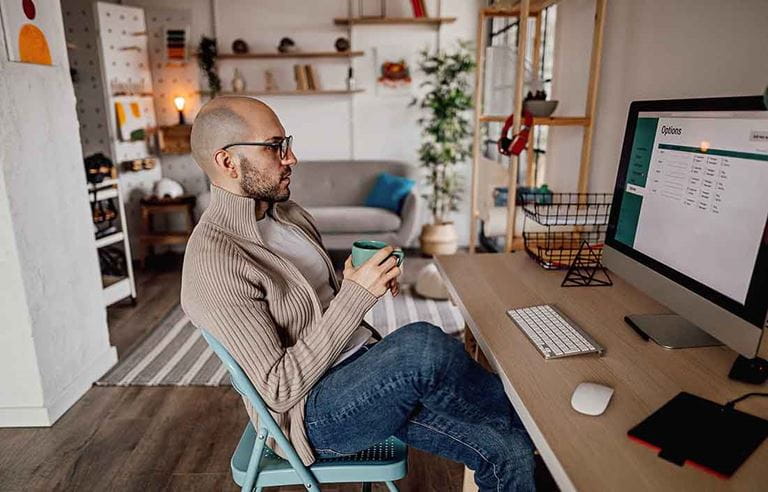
375,277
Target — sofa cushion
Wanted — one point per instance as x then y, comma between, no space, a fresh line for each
354,219
389,192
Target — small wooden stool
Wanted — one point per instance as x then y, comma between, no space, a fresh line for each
154,205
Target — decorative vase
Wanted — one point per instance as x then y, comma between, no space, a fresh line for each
438,239
238,82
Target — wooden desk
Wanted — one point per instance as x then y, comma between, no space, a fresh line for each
582,452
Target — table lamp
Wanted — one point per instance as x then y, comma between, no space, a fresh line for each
179,102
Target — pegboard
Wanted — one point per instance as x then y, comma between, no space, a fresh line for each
125,64
82,48
171,79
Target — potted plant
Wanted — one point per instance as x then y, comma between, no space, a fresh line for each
206,58
446,140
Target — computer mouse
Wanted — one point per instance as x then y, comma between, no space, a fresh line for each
591,398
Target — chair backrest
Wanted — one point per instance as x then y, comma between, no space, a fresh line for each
244,386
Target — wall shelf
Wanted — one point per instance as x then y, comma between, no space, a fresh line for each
543,121
111,239
299,54
359,21
287,93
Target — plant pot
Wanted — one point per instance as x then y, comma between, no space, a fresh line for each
438,239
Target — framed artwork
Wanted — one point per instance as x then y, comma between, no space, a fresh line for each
28,27
132,122
393,71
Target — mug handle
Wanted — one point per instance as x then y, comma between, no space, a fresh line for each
399,254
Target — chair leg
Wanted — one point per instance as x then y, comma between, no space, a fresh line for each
391,486
253,464
366,487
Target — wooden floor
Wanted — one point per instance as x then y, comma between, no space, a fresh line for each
156,438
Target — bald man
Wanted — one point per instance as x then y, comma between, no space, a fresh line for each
257,277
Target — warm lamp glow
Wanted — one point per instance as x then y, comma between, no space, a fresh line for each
179,101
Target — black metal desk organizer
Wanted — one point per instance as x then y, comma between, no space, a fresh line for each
557,225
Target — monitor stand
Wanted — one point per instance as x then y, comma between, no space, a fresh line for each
672,331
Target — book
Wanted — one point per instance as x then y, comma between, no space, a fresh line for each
300,74
416,6
311,77
423,8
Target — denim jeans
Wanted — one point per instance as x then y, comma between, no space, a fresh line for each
421,386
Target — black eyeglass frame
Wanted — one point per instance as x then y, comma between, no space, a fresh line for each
276,144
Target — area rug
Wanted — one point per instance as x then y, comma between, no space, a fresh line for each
174,353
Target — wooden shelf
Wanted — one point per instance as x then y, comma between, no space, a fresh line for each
287,93
543,121
299,54
514,11
434,21
111,239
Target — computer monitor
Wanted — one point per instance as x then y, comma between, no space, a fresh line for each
689,220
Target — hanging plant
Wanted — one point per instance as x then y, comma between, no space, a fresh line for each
446,131
206,58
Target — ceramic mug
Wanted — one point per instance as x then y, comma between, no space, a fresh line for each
363,250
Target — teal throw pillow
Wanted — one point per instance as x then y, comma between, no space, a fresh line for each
389,192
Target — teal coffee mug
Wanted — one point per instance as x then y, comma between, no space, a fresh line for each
363,250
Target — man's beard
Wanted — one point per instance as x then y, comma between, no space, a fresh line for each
258,186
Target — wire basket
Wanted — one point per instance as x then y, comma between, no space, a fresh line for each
568,208
557,250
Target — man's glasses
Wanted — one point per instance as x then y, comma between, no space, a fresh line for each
283,145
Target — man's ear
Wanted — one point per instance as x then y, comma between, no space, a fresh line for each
224,163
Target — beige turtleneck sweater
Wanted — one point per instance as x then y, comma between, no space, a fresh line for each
263,310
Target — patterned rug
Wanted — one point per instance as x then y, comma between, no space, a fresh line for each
174,353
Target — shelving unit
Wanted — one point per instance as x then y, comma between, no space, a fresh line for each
298,54
115,288
486,173
288,93
389,21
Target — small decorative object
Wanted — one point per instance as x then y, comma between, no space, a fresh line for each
286,46
587,269
430,284
167,188
207,54
148,163
98,167
446,140
238,82
350,79
270,83
179,102
395,73
239,46
536,103
342,45
176,44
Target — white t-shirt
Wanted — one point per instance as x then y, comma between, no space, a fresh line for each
294,247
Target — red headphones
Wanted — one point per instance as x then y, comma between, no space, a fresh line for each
516,144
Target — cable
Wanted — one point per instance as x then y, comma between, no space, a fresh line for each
731,404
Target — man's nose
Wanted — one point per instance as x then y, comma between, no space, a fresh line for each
290,159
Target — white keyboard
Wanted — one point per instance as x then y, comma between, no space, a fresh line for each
552,333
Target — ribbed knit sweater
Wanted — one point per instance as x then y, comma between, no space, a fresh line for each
263,310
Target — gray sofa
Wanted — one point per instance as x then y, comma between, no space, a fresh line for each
334,193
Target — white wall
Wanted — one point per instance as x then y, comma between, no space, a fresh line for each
361,126
53,335
653,49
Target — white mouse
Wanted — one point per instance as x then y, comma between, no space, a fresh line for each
591,398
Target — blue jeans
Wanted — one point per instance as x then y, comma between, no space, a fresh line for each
421,386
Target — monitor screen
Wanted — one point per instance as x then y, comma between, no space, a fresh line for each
693,188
